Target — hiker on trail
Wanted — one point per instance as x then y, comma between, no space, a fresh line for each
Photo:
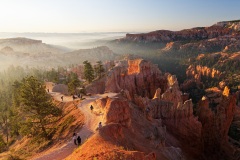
100,125
75,138
48,90
79,140
73,97
91,107
62,98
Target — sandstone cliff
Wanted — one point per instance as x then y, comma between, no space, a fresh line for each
198,33
216,119
213,69
197,71
137,76
125,135
150,109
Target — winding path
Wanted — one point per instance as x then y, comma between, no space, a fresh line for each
88,129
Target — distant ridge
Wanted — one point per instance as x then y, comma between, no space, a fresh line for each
194,34
20,40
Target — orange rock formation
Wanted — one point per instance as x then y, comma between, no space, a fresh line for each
150,120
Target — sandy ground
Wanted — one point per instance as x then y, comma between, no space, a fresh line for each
89,128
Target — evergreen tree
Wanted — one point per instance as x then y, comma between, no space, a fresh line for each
99,69
5,105
52,76
73,82
88,71
3,145
37,108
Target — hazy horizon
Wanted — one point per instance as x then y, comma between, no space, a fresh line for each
72,41
73,16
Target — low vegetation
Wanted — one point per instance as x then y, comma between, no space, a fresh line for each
30,121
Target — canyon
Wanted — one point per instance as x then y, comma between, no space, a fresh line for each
151,109
184,107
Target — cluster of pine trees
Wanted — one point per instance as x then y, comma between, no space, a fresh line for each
26,109
90,72
228,67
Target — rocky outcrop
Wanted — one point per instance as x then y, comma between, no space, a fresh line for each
178,118
171,46
222,85
198,33
213,68
151,109
216,121
188,43
105,147
197,71
97,86
235,24
61,88
157,94
137,76
117,111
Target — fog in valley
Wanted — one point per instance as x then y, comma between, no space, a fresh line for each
119,80
50,50
72,41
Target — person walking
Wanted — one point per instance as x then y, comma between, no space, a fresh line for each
79,140
75,138
91,107
62,98
100,125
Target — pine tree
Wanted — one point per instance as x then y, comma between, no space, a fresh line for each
36,108
88,71
73,82
99,69
5,104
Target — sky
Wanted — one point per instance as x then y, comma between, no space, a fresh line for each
75,16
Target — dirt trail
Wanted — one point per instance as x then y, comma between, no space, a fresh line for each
89,128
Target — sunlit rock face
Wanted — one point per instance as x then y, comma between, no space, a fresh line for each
198,33
151,108
137,76
117,111
197,71
216,120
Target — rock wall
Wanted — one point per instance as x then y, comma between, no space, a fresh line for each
216,121
177,117
117,111
197,71
138,77
143,83
96,87
198,33
150,107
